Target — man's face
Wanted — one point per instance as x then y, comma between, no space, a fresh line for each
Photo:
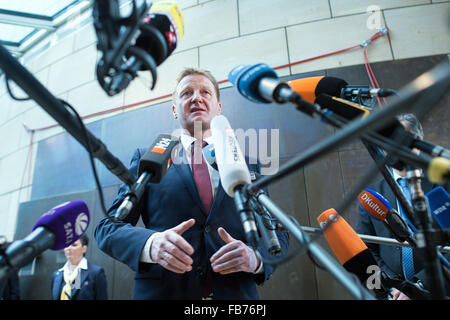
196,101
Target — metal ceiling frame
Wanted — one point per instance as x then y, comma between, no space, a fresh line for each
43,25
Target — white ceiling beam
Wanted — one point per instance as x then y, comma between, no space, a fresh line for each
26,20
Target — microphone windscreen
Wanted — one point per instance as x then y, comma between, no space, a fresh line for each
306,87
331,86
439,201
309,88
162,29
156,159
341,237
374,204
246,79
68,222
231,164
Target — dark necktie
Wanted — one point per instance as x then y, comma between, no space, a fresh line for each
407,253
201,174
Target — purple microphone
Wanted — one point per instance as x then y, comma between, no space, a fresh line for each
67,221
56,229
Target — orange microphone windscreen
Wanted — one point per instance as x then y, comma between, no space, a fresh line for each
341,237
306,87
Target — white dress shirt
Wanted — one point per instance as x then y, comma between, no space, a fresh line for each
81,265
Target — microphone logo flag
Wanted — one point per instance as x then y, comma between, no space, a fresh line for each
81,223
162,145
373,205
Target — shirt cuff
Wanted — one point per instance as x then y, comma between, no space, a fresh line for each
145,254
260,269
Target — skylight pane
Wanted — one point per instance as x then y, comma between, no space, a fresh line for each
9,32
41,7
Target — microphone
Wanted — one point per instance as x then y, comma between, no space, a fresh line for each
439,202
259,83
377,207
266,227
351,111
141,41
162,28
351,252
234,173
263,218
311,87
151,169
56,229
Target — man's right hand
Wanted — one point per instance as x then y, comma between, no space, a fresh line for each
171,250
398,295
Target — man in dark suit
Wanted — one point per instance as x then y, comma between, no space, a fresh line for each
193,245
392,259
78,279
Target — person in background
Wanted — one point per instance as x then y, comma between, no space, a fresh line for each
78,279
397,262
11,290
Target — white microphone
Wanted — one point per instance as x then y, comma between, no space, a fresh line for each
234,173
231,163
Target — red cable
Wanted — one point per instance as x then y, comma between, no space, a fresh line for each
317,57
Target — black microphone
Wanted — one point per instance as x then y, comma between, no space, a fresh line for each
140,41
151,169
351,111
266,227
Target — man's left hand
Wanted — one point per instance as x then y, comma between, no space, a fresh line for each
234,256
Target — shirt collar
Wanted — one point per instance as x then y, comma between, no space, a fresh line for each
396,175
81,265
186,141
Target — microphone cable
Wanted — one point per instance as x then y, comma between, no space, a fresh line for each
88,144
91,160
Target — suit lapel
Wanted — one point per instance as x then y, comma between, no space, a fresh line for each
59,283
83,277
218,198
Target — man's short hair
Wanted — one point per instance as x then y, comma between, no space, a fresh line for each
197,71
412,123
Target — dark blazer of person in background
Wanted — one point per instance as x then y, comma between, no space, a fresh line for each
11,291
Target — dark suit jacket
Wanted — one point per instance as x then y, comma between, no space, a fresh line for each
11,291
92,284
174,200
389,257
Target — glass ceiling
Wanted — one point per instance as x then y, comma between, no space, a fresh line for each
25,22
41,7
